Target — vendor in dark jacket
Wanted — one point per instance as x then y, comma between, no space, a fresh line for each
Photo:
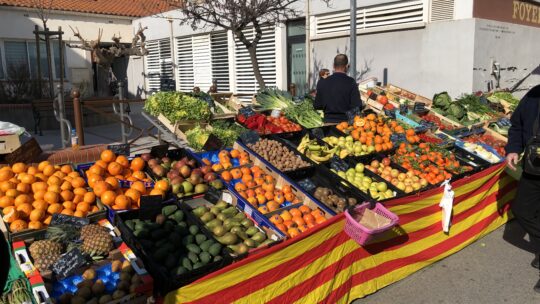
337,93
526,204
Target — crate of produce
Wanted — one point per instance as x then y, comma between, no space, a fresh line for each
363,223
230,225
323,187
309,145
101,267
497,144
352,173
28,204
174,248
279,155
86,169
267,124
223,159
408,94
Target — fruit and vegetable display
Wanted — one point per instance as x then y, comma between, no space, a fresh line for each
501,126
278,155
182,177
507,97
259,189
226,131
369,185
489,140
19,294
102,285
407,182
225,159
467,109
231,227
333,200
177,106
30,195
294,221
482,152
303,112
174,243
437,121
318,153
264,124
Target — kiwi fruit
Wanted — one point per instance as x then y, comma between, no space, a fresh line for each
98,288
78,300
123,285
89,274
104,299
65,298
118,294
84,292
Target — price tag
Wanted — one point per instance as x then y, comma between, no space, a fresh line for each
159,151
307,184
68,263
247,111
338,164
403,109
227,197
248,211
390,113
249,137
318,132
213,143
151,204
59,219
120,149
373,96
419,107
353,113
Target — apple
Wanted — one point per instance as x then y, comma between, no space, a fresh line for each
185,171
177,180
359,167
375,164
218,184
188,187
382,186
172,174
208,177
386,161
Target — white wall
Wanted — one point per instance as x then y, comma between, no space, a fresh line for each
512,46
426,61
463,9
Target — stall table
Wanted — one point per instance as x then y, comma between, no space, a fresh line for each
326,266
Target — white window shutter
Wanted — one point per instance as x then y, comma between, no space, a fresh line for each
159,66
220,60
184,62
441,10
202,62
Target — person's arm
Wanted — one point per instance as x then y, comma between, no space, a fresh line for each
515,133
318,104
355,97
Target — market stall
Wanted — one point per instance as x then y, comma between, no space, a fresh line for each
267,205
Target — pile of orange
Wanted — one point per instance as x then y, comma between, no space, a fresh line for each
294,221
30,195
225,160
259,188
104,178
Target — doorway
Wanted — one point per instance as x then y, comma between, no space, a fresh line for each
296,56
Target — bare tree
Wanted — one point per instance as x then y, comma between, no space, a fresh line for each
237,16
105,56
43,10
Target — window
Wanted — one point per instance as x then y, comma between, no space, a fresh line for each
16,58
32,54
2,75
220,61
159,68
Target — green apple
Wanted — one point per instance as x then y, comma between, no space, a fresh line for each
359,167
350,171
371,149
382,187
349,139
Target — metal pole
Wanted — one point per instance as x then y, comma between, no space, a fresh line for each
49,63
61,111
77,112
308,44
353,40
38,53
121,97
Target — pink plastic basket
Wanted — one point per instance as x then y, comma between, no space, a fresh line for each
361,234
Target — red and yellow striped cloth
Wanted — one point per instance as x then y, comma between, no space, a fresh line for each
326,266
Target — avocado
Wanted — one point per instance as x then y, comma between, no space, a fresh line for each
141,234
169,225
159,234
205,257
217,258
193,229
193,257
215,249
178,216
130,224
175,238
161,243
199,238
199,211
197,265
207,217
169,210
193,248
186,263
181,270
160,254
182,224
188,239
228,239
206,245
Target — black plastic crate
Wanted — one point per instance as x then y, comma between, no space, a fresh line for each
165,282
327,131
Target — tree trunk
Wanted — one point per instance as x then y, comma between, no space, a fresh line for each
255,63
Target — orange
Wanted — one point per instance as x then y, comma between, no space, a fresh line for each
253,201
18,168
80,191
108,197
94,209
236,173
122,202
39,186
279,199
10,214
5,186
263,209
35,225
78,198
286,216
107,156
162,185
286,189
40,177
67,212
113,182
272,206
247,178
240,187
122,160
261,199
18,225
59,174
308,218
28,179
23,199
127,172
134,195
79,213
157,192
36,215
320,220
115,168
39,195
74,174
100,187
138,175
54,188
235,153
139,186
40,204
78,182
84,207
66,169
137,164
66,186
51,197
217,167
89,197
5,175
298,220
276,219
317,213
281,227
6,201
293,232
269,196
49,170
24,210
12,193
295,212
226,175
42,165
289,197
93,178
47,220
69,205
32,170
67,195
289,224
101,164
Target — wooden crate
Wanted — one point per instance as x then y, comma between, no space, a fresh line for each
408,95
9,143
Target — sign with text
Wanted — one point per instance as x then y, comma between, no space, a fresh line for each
68,263
120,149
511,11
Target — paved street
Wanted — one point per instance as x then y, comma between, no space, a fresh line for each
492,270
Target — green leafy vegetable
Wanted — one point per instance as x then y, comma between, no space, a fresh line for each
177,106
197,137
442,100
302,113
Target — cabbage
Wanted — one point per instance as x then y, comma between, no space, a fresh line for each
442,100
456,111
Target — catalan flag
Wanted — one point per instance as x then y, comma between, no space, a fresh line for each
325,266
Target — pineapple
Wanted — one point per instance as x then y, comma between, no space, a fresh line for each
90,230
97,243
63,233
45,253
